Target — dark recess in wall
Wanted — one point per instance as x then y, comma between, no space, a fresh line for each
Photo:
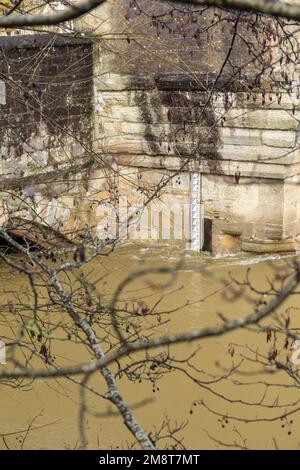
207,245
48,80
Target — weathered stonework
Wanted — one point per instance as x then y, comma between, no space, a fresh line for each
262,148
245,144
133,118
45,128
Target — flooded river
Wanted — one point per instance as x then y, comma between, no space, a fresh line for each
217,409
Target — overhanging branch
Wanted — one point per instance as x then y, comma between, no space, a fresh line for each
269,7
182,337
50,19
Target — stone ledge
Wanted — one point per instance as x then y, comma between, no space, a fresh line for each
127,95
50,176
225,168
260,119
259,154
268,246
50,40
198,82
136,145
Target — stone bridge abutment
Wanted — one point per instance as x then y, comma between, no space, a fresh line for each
88,136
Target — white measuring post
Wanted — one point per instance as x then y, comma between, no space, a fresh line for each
2,352
2,92
197,227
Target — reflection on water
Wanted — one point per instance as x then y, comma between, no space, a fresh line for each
197,297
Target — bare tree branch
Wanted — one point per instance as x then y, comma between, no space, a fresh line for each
103,361
271,7
48,19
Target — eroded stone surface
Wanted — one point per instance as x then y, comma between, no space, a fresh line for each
136,119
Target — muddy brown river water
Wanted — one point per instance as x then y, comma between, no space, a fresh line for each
197,299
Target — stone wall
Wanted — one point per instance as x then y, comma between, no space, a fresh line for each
159,107
44,114
46,110
83,126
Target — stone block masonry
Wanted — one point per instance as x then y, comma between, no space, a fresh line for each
159,110
88,126
46,114
46,109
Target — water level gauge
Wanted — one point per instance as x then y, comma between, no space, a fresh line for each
196,213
